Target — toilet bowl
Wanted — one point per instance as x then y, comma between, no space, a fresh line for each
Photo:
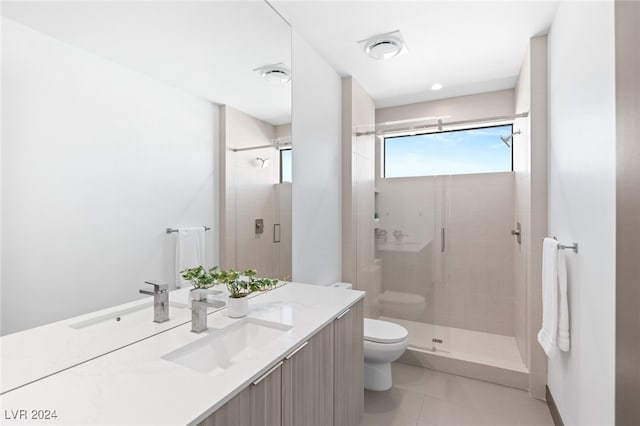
384,342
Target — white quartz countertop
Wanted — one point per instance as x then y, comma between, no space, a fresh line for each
135,385
38,352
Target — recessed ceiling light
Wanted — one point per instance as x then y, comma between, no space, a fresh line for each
275,73
384,46
437,86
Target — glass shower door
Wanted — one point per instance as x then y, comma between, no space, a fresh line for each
408,248
475,293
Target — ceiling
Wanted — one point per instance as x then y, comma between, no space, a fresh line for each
469,47
205,48
209,48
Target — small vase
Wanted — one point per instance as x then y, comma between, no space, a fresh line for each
237,307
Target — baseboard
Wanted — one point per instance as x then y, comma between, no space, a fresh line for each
553,408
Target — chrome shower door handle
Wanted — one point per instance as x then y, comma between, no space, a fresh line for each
442,240
517,232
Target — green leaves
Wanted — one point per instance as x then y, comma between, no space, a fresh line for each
241,285
200,277
262,284
238,284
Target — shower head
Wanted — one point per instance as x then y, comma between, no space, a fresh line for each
263,162
506,140
509,138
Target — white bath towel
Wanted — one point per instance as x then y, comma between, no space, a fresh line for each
190,253
555,311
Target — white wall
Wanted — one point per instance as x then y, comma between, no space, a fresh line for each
582,204
316,188
97,162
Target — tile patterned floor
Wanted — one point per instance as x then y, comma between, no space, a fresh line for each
423,397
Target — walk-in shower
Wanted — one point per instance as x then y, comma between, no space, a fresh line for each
255,217
444,261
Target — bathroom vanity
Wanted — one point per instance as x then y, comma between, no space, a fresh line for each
41,351
295,359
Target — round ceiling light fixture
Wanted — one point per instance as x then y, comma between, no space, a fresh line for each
384,46
437,86
276,73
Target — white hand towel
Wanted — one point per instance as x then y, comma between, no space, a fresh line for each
190,249
547,336
564,341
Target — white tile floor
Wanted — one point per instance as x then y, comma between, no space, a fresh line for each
423,397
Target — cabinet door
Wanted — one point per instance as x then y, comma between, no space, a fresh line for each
307,383
349,367
236,412
266,399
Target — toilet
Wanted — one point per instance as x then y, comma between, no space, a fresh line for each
384,342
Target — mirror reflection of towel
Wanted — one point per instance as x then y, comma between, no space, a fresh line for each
190,249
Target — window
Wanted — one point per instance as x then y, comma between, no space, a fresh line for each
479,150
285,165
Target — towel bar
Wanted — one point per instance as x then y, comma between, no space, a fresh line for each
573,247
170,230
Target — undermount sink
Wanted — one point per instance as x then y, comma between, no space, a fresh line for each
223,348
132,315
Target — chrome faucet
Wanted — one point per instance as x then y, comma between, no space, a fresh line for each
381,235
160,301
199,305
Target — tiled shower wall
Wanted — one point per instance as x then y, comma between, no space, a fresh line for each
250,192
476,291
473,278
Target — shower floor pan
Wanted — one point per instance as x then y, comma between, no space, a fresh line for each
490,357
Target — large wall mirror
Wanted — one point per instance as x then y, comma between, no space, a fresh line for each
123,119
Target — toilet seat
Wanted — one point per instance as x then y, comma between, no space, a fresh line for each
384,332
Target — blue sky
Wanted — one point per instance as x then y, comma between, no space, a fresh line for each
457,152
286,166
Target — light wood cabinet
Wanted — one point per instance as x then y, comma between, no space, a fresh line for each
348,388
266,399
320,383
234,413
307,382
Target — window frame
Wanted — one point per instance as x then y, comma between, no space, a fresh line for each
383,150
